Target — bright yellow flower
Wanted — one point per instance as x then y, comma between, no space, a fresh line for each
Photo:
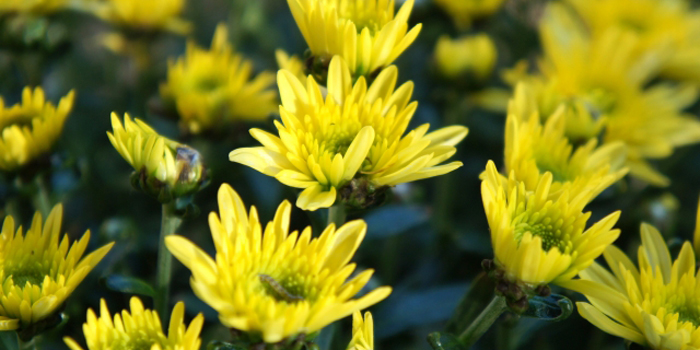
354,133
656,305
40,7
470,54
148,15
289,63
272,283
30,128
364,32
532,149
362,332
538,240
139,329
175,167
609,79
39,270
212,87
659,24
463,12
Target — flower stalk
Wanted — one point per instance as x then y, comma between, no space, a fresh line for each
337,215
484,321
42,197
169,224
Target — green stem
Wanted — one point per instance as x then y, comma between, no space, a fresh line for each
336,215
42,197
484,321
170,222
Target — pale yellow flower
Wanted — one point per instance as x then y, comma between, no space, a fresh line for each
464,12
362,332
271,283
470,54
147,15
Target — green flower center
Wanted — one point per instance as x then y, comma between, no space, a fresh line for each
551,236
208,84
136,342
687,308
558,175
32,273
20,120
290,289
600,101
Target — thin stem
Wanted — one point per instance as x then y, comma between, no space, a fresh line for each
170,222
336,215
484,321
42,197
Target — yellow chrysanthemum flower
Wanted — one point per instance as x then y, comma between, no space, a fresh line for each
355,133
362,332
139,329
30,128
39,270
470,54
272,283
364,32
212,87
656,305
532,149
40,7
289,63
463,12
579,68
538,240
659,24
163,167
144,15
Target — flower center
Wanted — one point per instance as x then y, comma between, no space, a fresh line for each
32,273
136,342
551,236
208,84
20,120
365,14
288,289
686,307
557,174
600,101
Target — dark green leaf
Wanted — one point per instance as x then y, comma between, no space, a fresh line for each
392,220
445,341
128,285
220,345
555,307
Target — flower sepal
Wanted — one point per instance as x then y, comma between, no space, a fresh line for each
246,341
360,194
517,293
27,333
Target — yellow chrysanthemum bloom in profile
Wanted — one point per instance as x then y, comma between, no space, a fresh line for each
271,283
655,305
538,240
148,15
464,12
39,270
291,63
177,168
35,7
212,87
470,54
354,133
139,329
30,128
659,24
532,149
649,120
362,332
363,32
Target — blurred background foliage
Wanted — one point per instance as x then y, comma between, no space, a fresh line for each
427,242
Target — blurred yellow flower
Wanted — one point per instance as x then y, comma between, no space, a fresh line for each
655,305
363,32
289,63
538,240
274,284
609,79
164,167
532,149
474,54
464,12
39,270
143,15
354,136
30,128
40,7
139,329
659,24
213,87
362,332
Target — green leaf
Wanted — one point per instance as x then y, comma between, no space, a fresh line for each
128,285
220,345
554,307
445,341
